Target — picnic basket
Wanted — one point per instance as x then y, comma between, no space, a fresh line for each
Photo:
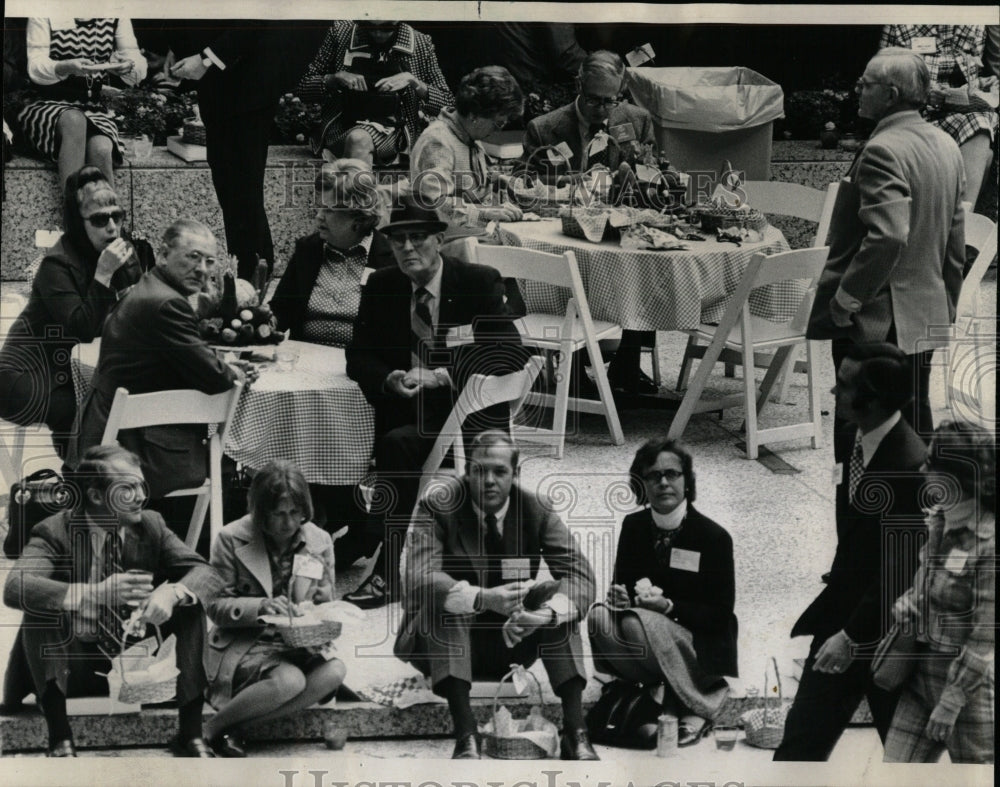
765,726
193,131
144,693
306,635
503,748
714,218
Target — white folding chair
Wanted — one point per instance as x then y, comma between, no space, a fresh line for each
183,407
740,331
564,333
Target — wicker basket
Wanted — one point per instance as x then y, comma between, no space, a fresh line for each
713,219
571,226
765,727
146,693
312,635
513,748
194,132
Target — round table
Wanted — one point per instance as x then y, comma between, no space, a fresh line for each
656,290
314,416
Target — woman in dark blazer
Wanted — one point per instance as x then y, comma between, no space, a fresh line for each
668,617
80,278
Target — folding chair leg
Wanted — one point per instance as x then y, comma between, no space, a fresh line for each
750,401
655,358
815,414
198,519
562,398
780,363
685,372
608,403
785,379
693,394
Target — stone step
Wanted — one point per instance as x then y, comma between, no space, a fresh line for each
154,727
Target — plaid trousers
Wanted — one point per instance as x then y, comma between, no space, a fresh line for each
972,738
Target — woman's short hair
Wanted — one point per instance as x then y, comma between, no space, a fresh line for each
487,92
601,63
967,453
274,481
645,458
74,193
904,70
352,186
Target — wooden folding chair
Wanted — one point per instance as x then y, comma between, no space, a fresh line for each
183,407
740,331
562,333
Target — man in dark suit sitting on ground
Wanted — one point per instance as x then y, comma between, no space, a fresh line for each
468,610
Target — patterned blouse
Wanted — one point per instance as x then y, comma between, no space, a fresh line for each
334,300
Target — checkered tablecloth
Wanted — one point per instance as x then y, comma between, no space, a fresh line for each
656,290
314,416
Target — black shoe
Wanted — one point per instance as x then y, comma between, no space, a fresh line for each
63,748
466,748
192,747
371,594
576,746
688,734
227,745
643,387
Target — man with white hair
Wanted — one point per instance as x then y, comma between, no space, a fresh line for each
897,235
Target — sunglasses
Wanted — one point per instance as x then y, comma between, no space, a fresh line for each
654,476
100,220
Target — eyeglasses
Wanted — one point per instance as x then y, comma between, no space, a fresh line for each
197,258
862,83
654,476
100,220
596,101
416,238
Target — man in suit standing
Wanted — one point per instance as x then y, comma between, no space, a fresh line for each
82,574
150,342
879,529
399,358
897,235
598,127
468,607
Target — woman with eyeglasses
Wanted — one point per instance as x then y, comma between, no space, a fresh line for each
948,700
78,281
668,617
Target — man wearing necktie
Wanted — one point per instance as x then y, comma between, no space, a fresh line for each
85,571
879,532
399,358
468,613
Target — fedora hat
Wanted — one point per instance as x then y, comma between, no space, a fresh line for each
411,216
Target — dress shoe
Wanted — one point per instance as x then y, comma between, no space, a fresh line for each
689,733
192,747
576,746
63,748
228,744
466,748
371,594
643,387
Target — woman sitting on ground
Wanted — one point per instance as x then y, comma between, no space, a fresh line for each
685,636
253,676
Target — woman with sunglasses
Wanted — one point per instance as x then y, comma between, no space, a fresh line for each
668,616
78,281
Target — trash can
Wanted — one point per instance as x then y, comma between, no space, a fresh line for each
704,116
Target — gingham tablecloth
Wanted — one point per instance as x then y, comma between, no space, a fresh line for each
314,416
656,290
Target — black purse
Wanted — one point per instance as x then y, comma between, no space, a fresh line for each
32,499
625,715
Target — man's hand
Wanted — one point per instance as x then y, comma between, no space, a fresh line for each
346,80
905,608
940,724
400,384
834,657
840,316
506,212
618,597
160,605
504,599
397,82
522,623
657,603
428,378
246,371
190,67
122,588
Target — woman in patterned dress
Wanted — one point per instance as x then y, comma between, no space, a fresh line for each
961,102
374,79
69,60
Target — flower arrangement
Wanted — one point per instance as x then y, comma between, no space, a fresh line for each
542,97
139,110
295,119
808,111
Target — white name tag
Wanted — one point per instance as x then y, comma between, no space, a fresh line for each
924,45
560,154
597,144
307,566
513,569
685,559
955,562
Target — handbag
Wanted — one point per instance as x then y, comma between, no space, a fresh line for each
625,715
32,499
894,659
765,726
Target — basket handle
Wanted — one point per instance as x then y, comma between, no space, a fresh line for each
510,674
159,642
767,692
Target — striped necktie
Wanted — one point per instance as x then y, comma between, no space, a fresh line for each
111,615
856,469
421,328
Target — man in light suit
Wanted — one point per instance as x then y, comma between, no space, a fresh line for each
897,238
879,529
468,610
76,581
399,358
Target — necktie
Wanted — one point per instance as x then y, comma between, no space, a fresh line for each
421,329
110,617
856,469
601,156
664,539
494,548
478,161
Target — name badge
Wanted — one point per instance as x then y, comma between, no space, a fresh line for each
560,154
307,566
685,559
924,45
838,474
955,562
623,132
597,144
513,569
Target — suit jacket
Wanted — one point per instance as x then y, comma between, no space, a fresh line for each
878,538
897,238
446,545
291,296
563,125
470,293
59,554
703,599
240,557
151,343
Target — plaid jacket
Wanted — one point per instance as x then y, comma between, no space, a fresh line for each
958,46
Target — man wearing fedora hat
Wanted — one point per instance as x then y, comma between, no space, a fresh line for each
398,356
